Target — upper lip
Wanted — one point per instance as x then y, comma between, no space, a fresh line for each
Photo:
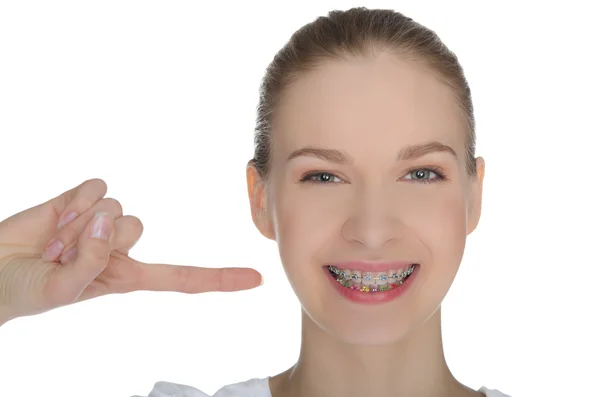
371,266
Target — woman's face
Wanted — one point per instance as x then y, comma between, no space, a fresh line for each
385,181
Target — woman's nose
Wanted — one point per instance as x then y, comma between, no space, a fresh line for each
373,221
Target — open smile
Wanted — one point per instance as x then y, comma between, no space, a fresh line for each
372,287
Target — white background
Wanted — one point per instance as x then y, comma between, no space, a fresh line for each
158,99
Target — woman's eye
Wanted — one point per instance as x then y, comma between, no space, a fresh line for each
321,177
422,174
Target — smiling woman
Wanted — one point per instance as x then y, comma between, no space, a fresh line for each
365,175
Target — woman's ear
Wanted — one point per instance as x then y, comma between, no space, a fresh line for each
476,195
257,195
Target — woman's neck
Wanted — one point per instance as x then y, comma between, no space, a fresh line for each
328,367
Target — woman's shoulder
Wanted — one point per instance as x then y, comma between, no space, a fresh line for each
256,387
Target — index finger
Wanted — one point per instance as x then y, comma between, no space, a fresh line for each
192,280
76,201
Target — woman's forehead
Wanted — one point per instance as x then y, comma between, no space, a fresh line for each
382,99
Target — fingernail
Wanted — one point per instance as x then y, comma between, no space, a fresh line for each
67,256
262,280
100,226
66,219
54,249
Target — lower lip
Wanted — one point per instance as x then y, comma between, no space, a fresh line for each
372,297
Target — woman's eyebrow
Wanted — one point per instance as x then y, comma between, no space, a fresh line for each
341,157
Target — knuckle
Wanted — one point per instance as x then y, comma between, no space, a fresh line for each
99,184
113,205
137,224
90,193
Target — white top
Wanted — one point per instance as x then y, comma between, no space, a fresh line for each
257,387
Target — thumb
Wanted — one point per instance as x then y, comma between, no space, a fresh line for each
92,253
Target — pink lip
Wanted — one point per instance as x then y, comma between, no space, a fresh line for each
371,266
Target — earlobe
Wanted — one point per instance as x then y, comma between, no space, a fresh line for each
257,198
476,196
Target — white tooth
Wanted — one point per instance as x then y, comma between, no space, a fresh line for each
348,274
391,279
356,275
379,276
368,279
390,273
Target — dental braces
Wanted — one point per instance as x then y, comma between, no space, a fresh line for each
368,277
